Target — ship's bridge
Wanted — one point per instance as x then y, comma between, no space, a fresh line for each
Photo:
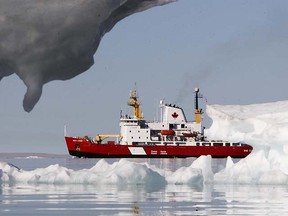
134,131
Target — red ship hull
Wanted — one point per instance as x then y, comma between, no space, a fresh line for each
81,147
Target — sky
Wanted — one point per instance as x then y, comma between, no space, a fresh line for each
234,51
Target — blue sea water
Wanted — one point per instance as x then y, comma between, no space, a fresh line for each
83,199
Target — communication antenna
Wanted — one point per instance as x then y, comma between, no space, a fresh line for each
65,131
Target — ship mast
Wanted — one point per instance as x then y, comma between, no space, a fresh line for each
198,111
135,103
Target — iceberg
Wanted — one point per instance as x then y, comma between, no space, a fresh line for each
42,41
264,126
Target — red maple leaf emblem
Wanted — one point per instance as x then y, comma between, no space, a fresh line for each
174,115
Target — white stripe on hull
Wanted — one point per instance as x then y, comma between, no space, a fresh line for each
137,151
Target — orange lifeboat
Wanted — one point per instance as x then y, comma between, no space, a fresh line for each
168,132
189,134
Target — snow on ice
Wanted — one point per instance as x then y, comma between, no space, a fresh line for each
122,172
264,126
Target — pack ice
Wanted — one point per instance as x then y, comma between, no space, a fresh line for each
264,126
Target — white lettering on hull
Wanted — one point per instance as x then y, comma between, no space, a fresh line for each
137,151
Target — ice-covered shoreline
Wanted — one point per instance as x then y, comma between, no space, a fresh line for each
264,126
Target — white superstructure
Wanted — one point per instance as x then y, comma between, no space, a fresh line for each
173,127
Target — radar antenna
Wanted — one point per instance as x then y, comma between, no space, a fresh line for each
135,103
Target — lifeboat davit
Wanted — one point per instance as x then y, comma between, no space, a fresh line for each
168,132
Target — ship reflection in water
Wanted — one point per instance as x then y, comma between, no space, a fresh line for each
171,200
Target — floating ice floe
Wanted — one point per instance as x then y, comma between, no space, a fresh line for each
122,172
